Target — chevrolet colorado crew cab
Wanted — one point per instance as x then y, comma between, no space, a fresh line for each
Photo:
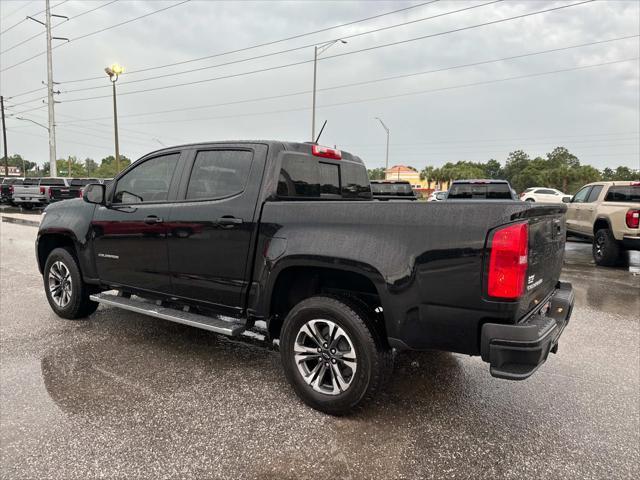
284,238
608,213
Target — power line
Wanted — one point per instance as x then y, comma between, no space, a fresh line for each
25,19
400,95
25,5
289,50
206,80
483,140
366,82
251,47
68,20
95,33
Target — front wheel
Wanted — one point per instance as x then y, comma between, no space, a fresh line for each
529,200
67,294
606,249
331,356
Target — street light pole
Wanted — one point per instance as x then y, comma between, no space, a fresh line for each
115,125
388,131
114,71
317,51
315,75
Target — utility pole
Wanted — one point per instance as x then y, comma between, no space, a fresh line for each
52,132
4,139
50,83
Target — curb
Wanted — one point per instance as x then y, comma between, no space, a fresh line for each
20,221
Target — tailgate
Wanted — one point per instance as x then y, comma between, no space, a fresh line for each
547,237
61,193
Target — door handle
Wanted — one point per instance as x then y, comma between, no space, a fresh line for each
229,222
152,219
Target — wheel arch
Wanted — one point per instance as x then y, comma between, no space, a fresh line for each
294,280
601,223
49,241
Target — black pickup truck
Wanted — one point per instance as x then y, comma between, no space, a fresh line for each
71,189
283,240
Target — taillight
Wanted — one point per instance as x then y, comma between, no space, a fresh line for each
633,218
508,261
326,152
41,190
10,189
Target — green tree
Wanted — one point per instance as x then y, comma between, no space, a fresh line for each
376,173
493,169
428,174
91,166
77,168
16,160
564,166
108,168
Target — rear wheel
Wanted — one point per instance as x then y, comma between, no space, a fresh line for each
606,249
330,355
530,200
67,294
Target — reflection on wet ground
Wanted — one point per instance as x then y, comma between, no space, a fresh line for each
122,395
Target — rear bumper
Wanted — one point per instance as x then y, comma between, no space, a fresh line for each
515,352
631,243
33,200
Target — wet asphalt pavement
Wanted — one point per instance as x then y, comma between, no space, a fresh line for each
122,395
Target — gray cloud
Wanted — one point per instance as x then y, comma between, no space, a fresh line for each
594,112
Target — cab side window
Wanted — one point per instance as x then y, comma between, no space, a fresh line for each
595,193
219,173
582,195
147,182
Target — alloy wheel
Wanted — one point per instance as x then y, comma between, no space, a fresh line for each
60,284
325,356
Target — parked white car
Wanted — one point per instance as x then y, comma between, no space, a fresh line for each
437,196
544,195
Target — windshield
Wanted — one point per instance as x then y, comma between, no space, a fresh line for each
474,191
392,189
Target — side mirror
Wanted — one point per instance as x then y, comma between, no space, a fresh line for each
567,199
94,193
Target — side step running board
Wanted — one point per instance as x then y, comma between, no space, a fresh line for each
220,324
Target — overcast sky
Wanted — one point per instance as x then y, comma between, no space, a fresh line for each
434,118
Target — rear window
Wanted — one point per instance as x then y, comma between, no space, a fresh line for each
301,176
52,182
474,191
392,189
81,182
623,193
12,181
31,181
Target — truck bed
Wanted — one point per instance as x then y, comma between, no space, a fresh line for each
428,260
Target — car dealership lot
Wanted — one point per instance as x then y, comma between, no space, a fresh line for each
127,395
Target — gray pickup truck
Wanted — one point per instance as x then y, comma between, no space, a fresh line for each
35,192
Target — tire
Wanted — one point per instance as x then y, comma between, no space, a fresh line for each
530,200
606,249
327,391
71,300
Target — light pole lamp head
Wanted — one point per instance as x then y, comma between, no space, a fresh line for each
114,70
